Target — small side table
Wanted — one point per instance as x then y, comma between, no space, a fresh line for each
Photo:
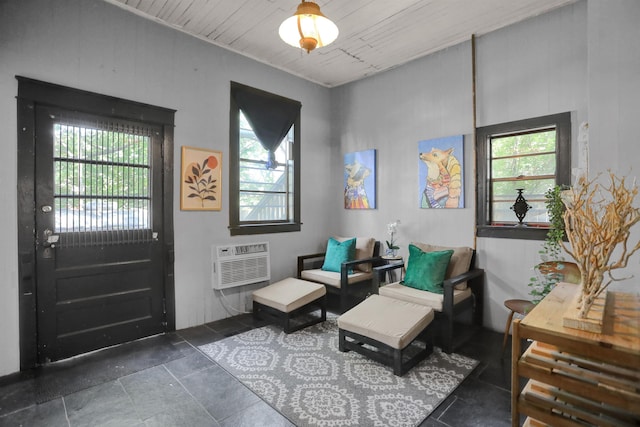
393,260
519,306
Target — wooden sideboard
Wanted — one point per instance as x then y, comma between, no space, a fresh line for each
575,377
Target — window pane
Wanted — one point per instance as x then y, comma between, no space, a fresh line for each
254,177
533,189
265,194
524,160
503,214
528,143
504,195
250,147
101,179
543,164
83,143
263,207
291,189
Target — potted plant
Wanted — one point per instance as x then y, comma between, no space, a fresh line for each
553,267
392,247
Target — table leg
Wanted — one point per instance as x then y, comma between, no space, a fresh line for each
506,332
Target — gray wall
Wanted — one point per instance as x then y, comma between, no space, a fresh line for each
391,112
583,58
92,45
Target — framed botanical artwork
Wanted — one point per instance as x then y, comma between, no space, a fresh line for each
360,180
200,180
441,172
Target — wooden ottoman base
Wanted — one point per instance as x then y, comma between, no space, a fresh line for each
287,302
391,336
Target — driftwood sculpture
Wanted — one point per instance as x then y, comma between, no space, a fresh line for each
598,220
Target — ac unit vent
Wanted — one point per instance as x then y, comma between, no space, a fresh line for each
237,265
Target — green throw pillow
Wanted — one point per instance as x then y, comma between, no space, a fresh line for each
426,270
337,253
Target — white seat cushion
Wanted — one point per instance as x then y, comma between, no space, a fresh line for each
389,321
418,296
289,294
332,278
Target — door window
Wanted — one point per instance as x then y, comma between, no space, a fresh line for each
101,183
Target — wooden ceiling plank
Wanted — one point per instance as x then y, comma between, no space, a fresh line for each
245,18
210,11
256,38
212,30
143,5
173,14
133,3
156,7
375,35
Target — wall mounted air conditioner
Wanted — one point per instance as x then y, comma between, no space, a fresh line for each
242,264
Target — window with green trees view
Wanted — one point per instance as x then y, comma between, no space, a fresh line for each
533,155
522,160
266,194
264,153
101,178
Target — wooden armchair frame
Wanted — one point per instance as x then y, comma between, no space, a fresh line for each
345,287
445,318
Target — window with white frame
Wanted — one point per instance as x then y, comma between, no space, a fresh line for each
533,155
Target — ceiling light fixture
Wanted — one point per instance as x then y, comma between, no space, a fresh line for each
308,28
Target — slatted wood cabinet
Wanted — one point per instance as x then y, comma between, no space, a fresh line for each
574,377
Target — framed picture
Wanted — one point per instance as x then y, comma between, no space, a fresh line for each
200,180
441,172
360,180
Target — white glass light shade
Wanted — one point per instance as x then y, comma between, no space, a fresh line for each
308,28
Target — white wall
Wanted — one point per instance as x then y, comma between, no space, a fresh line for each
582,58
95,46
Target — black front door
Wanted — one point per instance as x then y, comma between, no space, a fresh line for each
98,232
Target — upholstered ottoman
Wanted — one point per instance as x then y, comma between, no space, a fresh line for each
384,330
289,299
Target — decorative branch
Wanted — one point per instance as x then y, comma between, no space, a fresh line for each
598,220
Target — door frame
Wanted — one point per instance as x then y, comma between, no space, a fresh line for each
34,92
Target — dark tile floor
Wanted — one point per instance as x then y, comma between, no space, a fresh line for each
166,381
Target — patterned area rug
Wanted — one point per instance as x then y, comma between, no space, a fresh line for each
307,379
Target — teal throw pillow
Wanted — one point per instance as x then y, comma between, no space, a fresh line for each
426,270
337,253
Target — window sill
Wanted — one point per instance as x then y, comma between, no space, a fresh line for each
249,229
512,232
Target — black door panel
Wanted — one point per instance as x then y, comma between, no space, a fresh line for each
100,278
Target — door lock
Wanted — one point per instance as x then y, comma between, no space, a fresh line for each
50,239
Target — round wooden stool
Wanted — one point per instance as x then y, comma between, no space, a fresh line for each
520,306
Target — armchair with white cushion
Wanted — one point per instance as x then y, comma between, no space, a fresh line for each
445,279
349,276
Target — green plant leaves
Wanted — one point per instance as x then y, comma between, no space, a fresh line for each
551,249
